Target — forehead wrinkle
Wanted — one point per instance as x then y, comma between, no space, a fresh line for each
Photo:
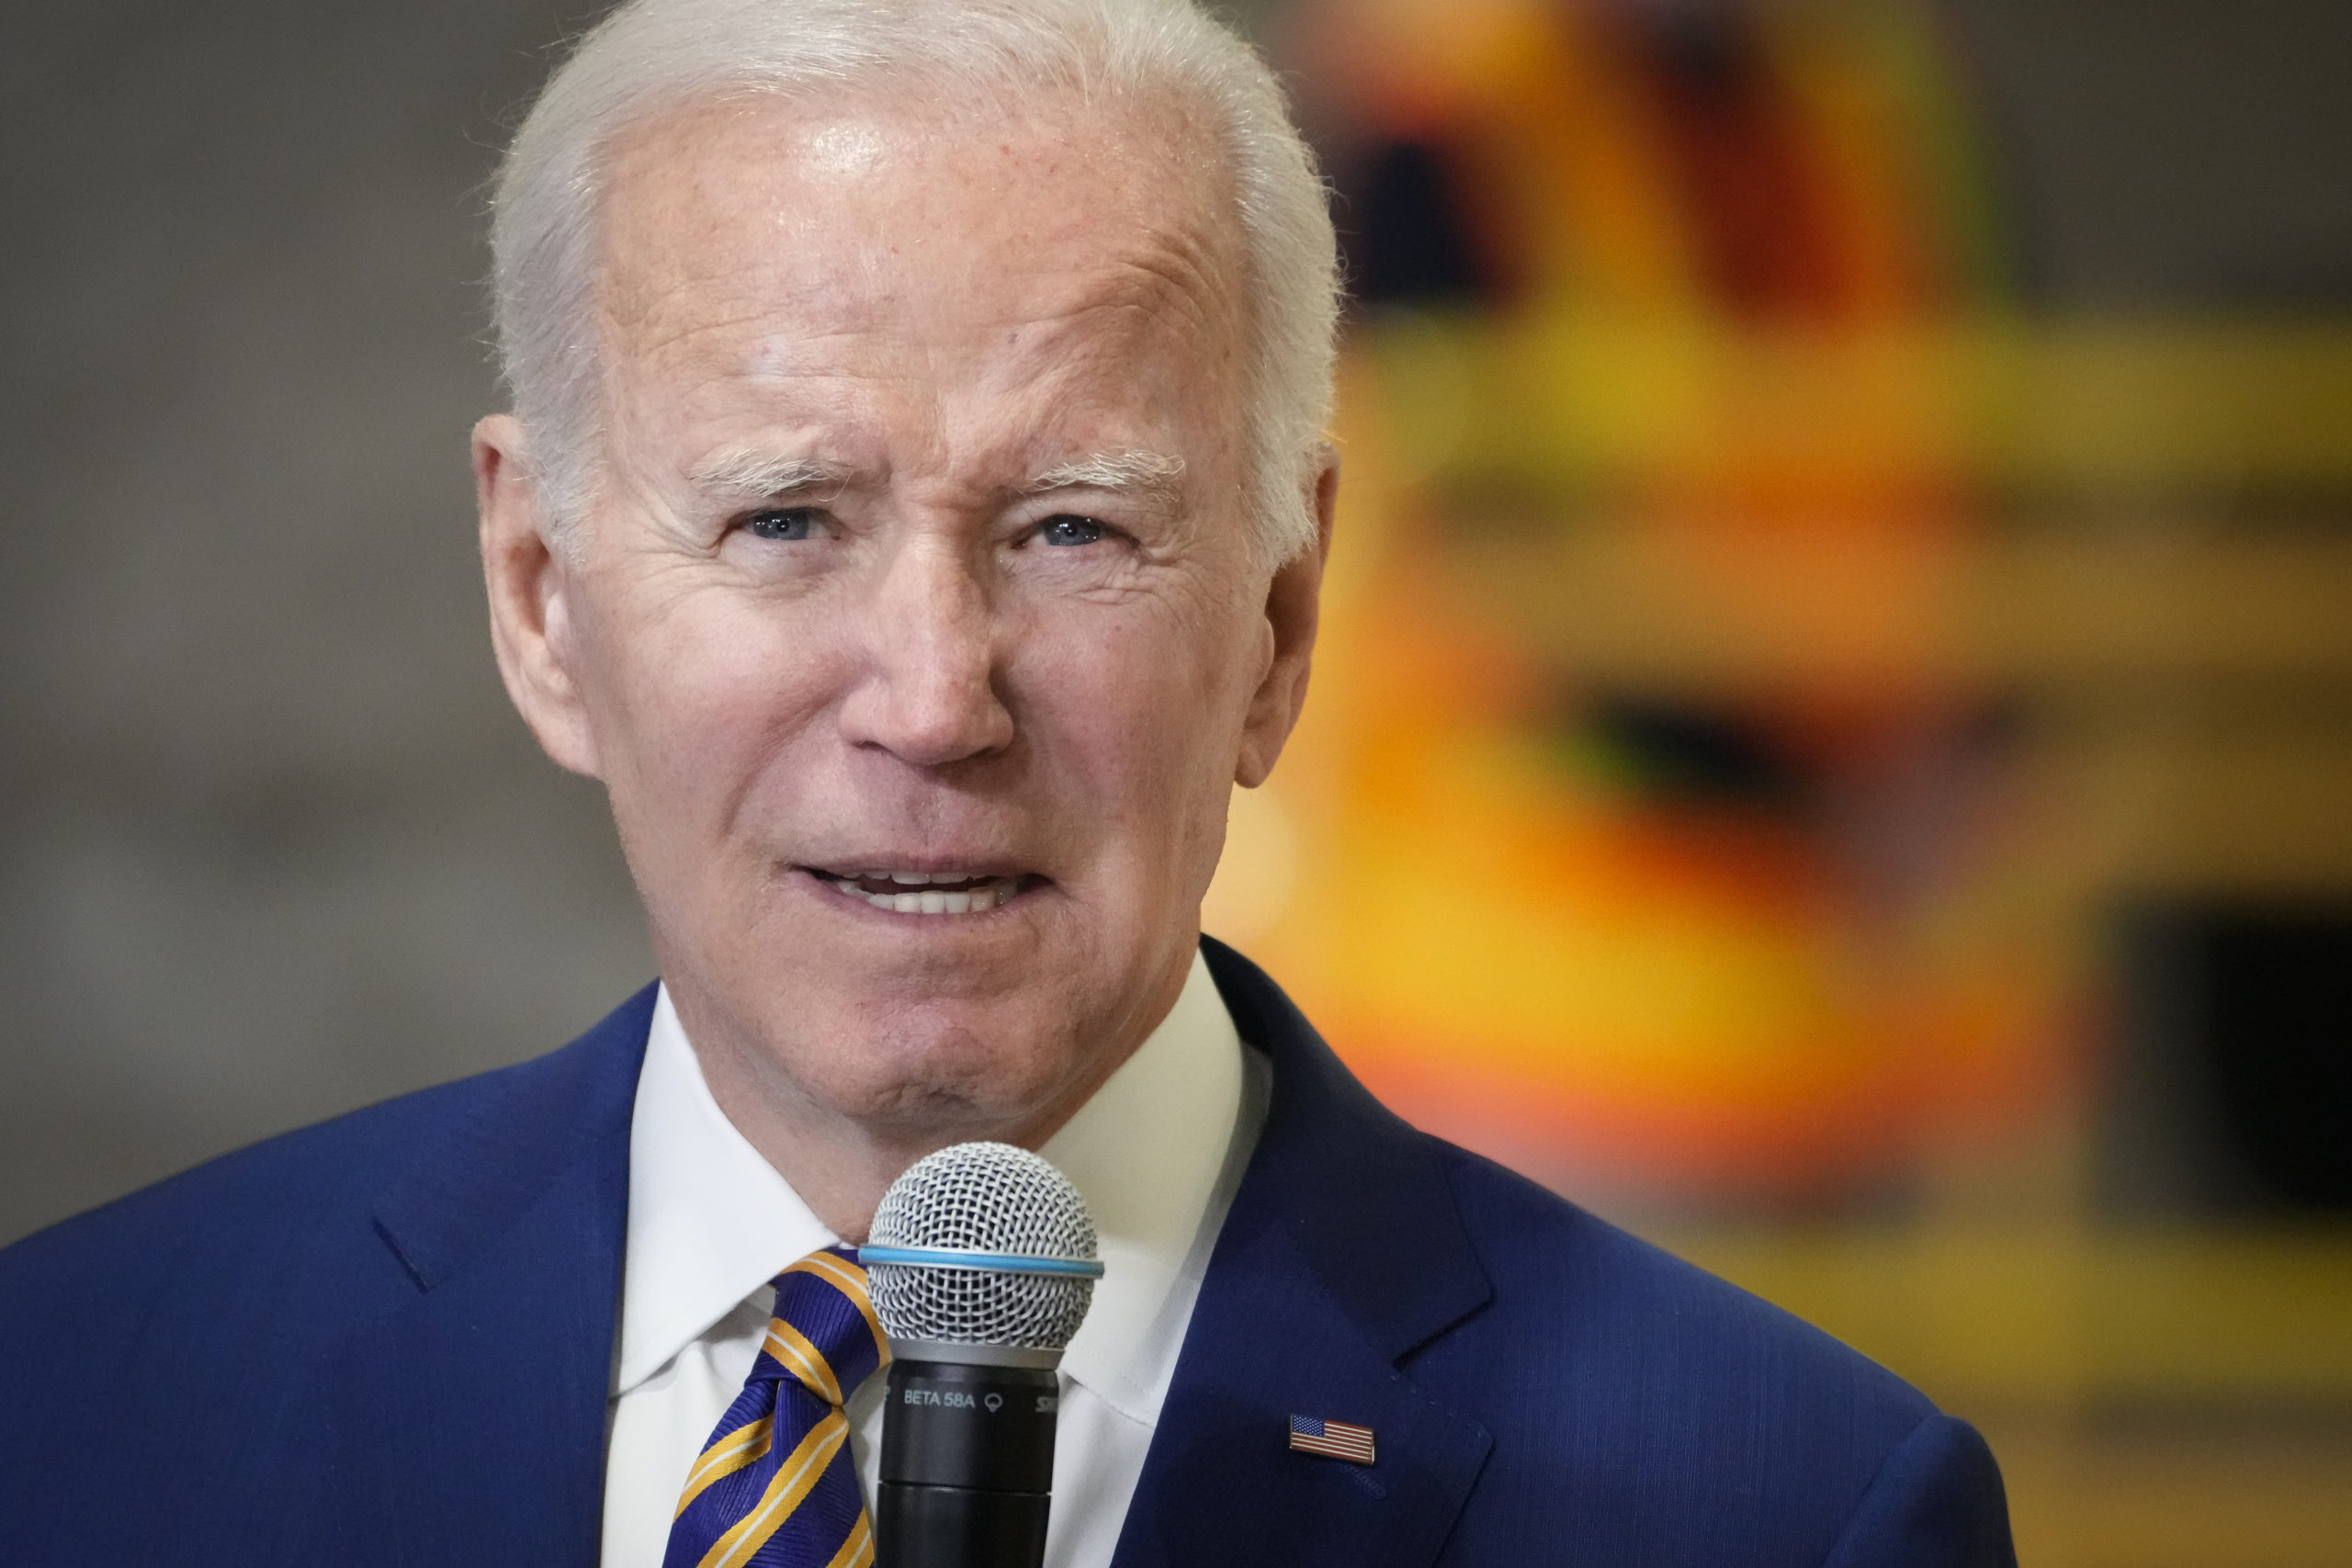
1168,277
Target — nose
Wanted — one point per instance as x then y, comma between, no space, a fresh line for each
927,692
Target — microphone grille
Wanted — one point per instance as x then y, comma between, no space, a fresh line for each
983,1197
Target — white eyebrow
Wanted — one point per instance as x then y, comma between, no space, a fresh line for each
763,474
1113,471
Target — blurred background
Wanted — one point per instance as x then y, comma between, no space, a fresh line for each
1834,738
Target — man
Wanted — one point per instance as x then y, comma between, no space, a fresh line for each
912,511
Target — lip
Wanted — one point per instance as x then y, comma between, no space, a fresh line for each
921,865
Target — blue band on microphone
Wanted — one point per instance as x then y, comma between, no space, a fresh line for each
986,1262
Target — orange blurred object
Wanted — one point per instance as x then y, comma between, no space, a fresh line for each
1762,927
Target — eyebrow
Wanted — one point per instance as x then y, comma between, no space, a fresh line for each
1149,473
764,474
754,473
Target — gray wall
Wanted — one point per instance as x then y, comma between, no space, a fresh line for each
271,843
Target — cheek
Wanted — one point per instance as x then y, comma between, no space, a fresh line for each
1141,717
693,692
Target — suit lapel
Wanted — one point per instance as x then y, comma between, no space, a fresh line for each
467,1424
1342,1254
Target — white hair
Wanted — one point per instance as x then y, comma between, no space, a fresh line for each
652,56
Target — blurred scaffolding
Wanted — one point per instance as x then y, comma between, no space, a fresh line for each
1819,759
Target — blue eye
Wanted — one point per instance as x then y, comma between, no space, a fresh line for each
1069,530
783,523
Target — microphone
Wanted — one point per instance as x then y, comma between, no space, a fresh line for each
981,1264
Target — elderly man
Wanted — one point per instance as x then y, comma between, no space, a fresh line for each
913,511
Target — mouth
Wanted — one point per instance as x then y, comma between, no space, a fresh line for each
928,892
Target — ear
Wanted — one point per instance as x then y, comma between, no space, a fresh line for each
1294,605
531,590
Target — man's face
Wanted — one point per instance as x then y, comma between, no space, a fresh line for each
917,631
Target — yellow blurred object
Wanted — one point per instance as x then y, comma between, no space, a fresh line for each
1600,993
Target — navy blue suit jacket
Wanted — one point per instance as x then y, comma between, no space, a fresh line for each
388,1338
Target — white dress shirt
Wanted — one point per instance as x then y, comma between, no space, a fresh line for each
1157,1153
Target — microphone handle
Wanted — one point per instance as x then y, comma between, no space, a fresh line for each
967,1466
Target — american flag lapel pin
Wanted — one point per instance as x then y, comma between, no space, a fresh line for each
1339,1439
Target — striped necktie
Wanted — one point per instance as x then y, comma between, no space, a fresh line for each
776,1486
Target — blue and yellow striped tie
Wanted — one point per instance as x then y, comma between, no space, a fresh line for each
776,1486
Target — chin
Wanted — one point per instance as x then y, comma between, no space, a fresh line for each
923,1067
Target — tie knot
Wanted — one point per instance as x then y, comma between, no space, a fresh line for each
823,1334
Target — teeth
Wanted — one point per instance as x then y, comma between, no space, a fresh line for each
991,891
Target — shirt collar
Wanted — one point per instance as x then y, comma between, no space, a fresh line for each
1156,1154
709,1220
